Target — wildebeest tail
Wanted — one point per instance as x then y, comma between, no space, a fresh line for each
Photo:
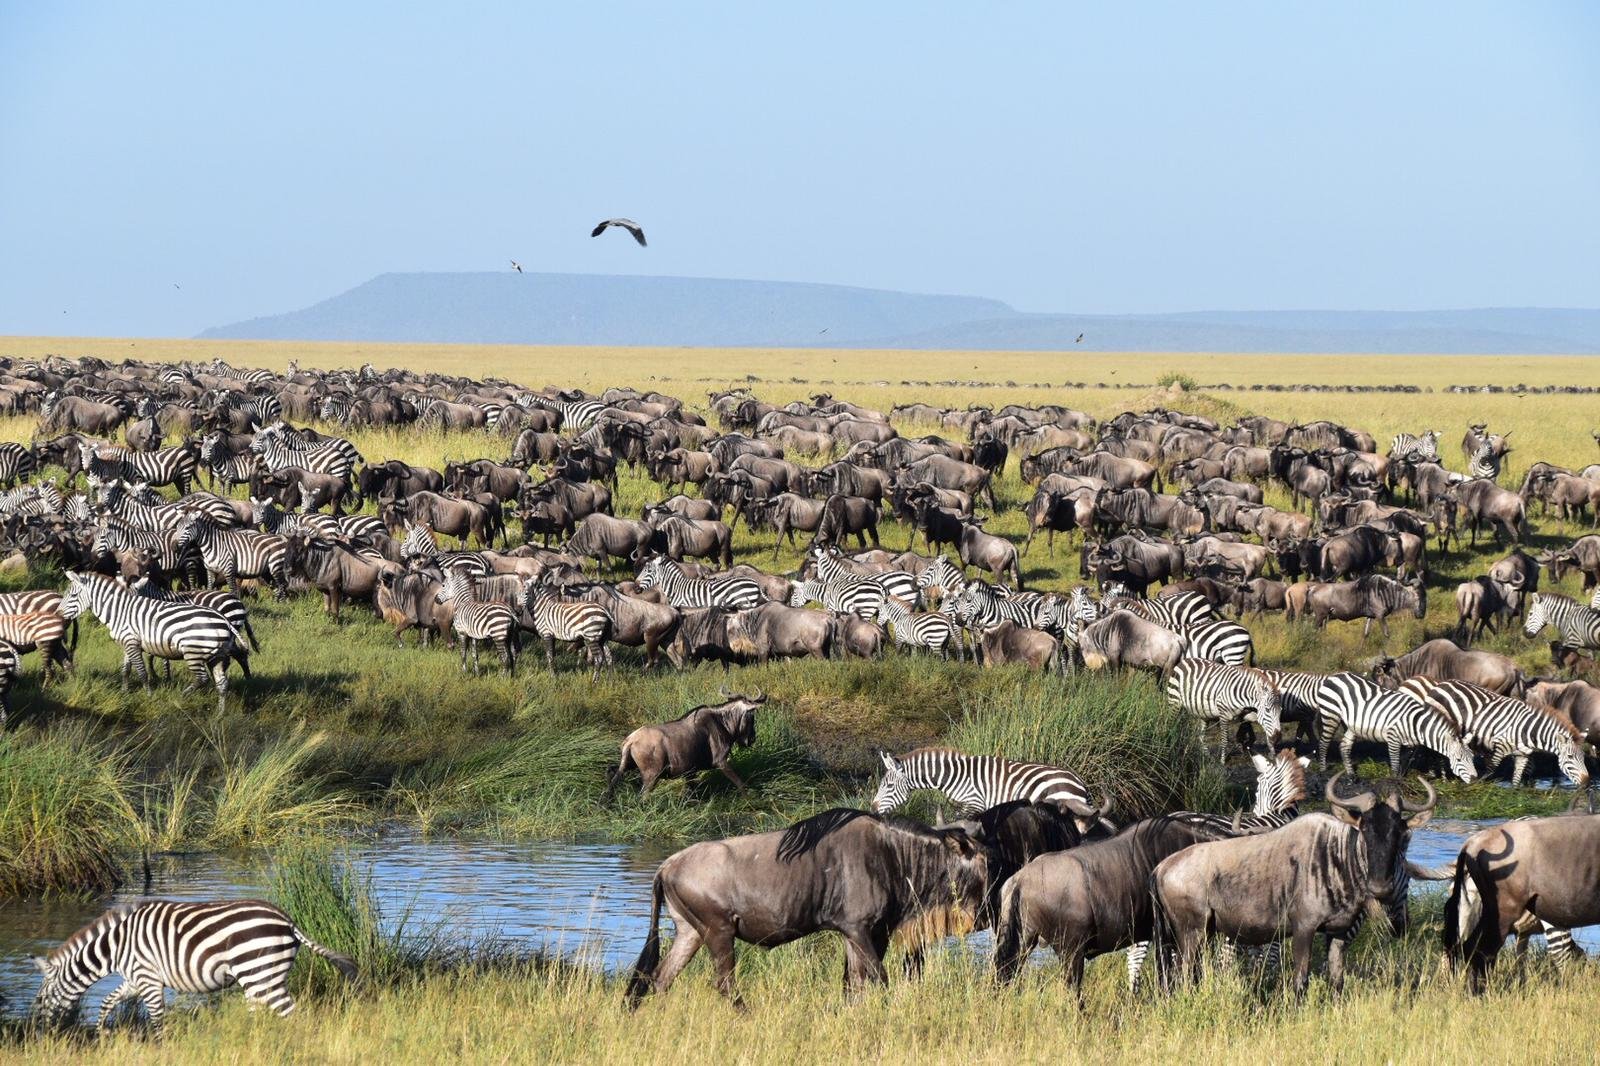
1161,934
644,970
1463,911
1008,931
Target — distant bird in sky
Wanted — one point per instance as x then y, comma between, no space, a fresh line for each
175,285
626,223
516,266
1079,340
821,331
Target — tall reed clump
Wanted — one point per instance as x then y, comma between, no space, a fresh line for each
273,796
1113,731
65,812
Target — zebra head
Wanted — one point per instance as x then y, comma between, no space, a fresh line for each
457,585
1536,620
1459,756
75,599
894,789
1280,781
650,574
419,542
1268,708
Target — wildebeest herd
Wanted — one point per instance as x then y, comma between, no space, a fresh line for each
1157,499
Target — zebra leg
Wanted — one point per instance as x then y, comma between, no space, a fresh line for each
1136,956
1347,744
219,673
550,652
507,663
1393,742
1325,728
1518,765
199,667
153,994
124,993
274,995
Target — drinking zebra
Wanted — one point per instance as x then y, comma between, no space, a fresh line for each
1226,694
934,631
235,553
16,463
1578,626
1502,725
1424,447
478,620
198,635
681,590
978,782
577,622
864,601
1397,718
158,944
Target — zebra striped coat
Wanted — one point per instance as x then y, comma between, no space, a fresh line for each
16,463
478,620
1503,725
864,600
1578,626
1226,694
1362,710
44,630
10,666
934,631
571,621
190,947
978,782
681,590
230,554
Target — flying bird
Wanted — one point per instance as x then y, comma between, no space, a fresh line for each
516,266
626,223
1079,340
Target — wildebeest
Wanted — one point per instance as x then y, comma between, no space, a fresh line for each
776,630
861,875
1123,638
1480,606
1544,868
689,538
1485,503
1373,598
602,538
988,552
700,740
1315,875
462,519
1133,561
1008,642
395,478
1578,700
1441,660
635,622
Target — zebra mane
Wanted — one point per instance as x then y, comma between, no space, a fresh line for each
113,916
1560,718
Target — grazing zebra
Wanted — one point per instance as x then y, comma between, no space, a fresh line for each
336,456
1280,786
865,600
1222,641
1412,446
572,621
1397,718
478,620
934,631
576,415
236,553
158,944
981,607
10,666
420,543
1226,694
16,463
978,782
1486,462
175,466
1503,725
44,630
1298,692
198,635
681,590
831,568
943,575
1578,626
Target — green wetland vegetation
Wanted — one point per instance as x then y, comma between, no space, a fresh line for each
343,733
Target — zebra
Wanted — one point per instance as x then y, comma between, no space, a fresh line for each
1298,691
1397,718
977,782
831,568
219,369
158,944
236,553
10,666
113,535
865,600
175,466
420,543
44,630
224,466
981,608
1577,625
478,620
931,630
681,590
573,621
222,601
943,575
117,500
1503,725
32,501
1177,612
1485,461
1221,640
1424,447
270,518
576,415
198,635
16,463
1225,693
335,456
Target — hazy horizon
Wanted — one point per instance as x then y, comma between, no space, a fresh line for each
173,169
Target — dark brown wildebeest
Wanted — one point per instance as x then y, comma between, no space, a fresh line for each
76,412
702,636
1582,555
462,519
1123,638
1354,552
535,446
947,473
483,475
291,487
340,573
687,506
1485,503
603,538
698,741
1262,594
855,636
1480,606
787,512
1318,874
396,478
844,516
1374,598
1545,869
544,516
681,466
988,552
1517,577
858,874
1443,661
683,538
1135,561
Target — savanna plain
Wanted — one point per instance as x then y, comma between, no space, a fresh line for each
342,733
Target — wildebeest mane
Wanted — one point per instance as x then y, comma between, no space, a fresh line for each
804,836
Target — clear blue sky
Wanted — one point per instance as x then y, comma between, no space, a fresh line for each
1095,157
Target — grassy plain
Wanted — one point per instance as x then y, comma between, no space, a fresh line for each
341,729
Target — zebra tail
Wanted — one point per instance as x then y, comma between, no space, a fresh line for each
255,645
1008,932
343,963
72,645
644,970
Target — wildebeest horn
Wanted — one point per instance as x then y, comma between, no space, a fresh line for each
1410,808
1360,804
1080,808
758,697
722,690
